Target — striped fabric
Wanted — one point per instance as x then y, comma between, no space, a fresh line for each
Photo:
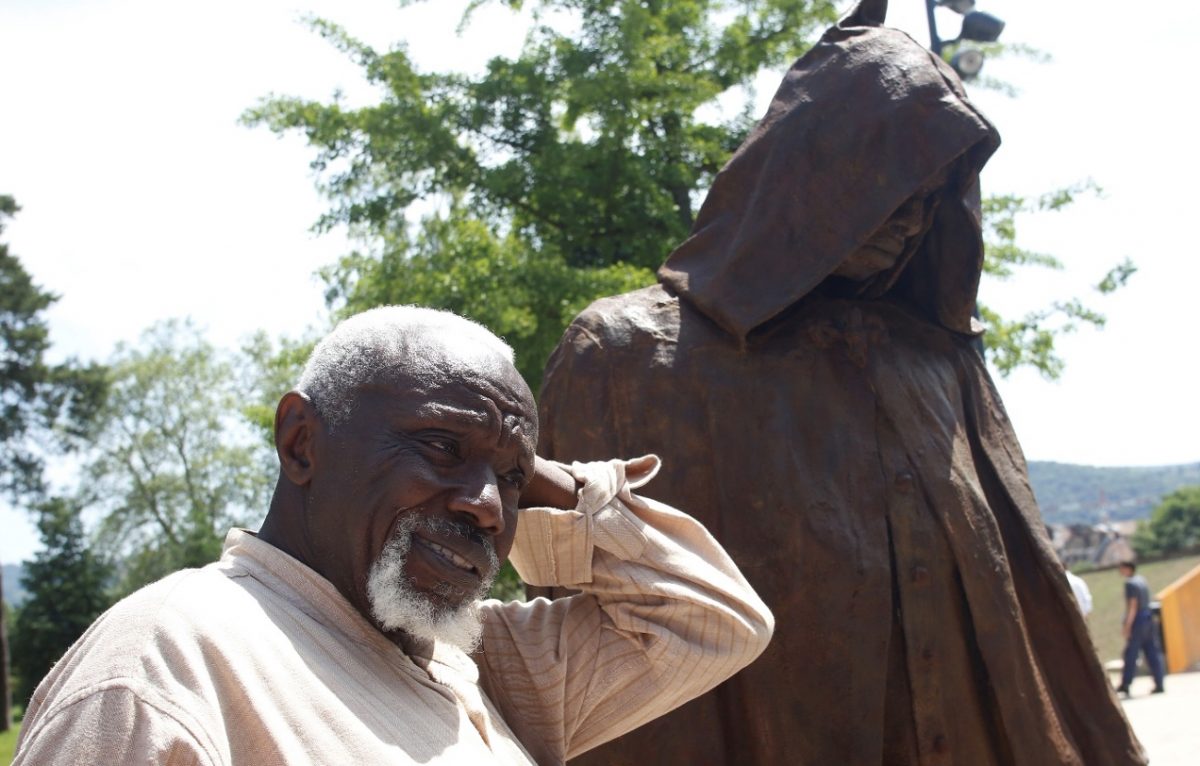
256,659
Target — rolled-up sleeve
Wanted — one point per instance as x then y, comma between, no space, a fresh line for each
663,616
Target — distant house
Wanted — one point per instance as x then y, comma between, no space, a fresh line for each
1099,545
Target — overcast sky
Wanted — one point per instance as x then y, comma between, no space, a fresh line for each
143,198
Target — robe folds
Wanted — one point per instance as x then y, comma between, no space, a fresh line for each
857,464
844,441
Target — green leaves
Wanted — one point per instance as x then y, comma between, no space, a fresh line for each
1116,277
572,170
43,407
67,586
172,467
1030,339
561,175
1174,526
458,262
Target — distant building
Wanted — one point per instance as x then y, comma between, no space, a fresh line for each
1099,545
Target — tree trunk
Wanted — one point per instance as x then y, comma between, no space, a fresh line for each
5,693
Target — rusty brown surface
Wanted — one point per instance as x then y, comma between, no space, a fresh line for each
843,440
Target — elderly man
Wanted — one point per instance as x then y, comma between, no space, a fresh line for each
352,628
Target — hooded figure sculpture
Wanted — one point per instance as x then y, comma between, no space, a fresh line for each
806,368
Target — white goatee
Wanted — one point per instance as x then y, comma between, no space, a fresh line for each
397,605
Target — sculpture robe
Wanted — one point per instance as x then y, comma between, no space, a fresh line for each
845,443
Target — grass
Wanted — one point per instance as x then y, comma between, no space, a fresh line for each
1108,591
8,743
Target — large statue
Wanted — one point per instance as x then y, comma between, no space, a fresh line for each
806,368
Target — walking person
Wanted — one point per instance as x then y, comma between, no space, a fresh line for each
1138,629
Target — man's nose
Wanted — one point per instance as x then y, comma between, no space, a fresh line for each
478,497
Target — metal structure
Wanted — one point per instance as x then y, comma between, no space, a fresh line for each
977,26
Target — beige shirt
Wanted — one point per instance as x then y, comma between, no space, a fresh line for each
256,659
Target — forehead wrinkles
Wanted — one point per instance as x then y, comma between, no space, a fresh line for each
473,383
483,407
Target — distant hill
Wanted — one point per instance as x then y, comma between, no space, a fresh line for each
14,594
1084,494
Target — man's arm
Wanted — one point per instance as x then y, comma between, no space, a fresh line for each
550,487
1131,610
663,616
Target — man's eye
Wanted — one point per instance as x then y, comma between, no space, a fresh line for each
443,445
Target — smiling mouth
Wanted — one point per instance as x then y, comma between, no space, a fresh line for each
449,556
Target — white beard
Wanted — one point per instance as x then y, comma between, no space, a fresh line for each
397,605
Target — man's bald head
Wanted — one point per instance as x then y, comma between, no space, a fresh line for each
418,343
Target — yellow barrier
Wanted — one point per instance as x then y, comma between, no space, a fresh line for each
1181,621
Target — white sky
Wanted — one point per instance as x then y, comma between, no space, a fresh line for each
142,198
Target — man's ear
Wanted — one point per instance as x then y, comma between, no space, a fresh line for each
296,428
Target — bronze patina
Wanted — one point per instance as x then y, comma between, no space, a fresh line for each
805,368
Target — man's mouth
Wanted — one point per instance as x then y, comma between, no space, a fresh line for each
448,555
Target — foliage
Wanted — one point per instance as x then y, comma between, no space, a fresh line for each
1174,526
525,295
67,587
42,406
564,174
269,369
1030,340
569,172
508,585
173,467
5,667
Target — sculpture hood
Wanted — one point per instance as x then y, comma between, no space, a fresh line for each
862,121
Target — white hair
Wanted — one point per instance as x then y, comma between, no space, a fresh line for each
396,605
368,346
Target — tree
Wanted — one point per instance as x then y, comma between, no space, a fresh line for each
524,294
565,174
174,466
268,370
570,172
42,406
67,591
1174,526
5,685
1030,340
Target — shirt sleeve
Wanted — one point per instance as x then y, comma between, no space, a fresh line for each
663,616
111,724
1085,596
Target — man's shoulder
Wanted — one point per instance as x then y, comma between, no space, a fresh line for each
181,598
154,650
149,628
1136,587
